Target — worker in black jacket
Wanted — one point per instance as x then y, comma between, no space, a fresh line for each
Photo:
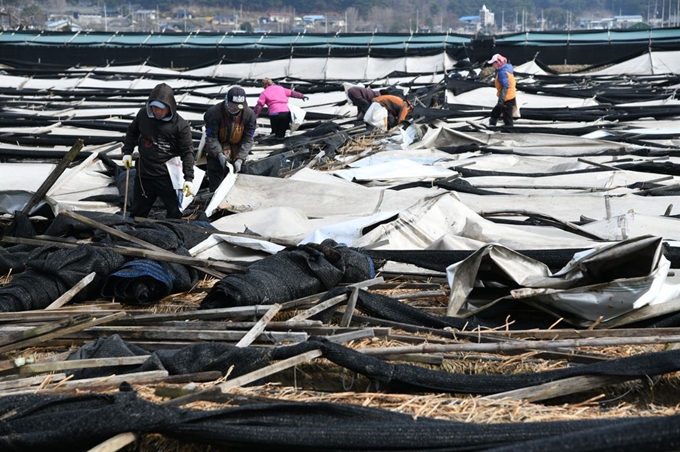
159,133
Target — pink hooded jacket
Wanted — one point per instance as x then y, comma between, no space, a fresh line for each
276,99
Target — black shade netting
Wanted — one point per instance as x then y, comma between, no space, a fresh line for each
77,423
51,272
326,427
167,234
304,426
44,423
20,226
386,375
65,226
191,359
293,273
270,166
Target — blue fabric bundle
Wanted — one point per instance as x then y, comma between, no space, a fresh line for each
140,281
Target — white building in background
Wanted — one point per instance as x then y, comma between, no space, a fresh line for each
486,17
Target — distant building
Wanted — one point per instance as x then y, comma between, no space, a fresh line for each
62,25
311,20
224,19
486,17
626,21
183,14
279,17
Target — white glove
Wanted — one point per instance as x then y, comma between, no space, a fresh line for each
127,161
237,165
188,188
223,160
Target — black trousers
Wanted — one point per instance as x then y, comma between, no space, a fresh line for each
146,190
505,112
280,123
215,171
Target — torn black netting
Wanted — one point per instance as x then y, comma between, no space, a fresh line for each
387,308
293,273
39,423
389,376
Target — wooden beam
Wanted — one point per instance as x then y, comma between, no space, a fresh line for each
559,388
259,327
87,323
72,292
203,265
54,175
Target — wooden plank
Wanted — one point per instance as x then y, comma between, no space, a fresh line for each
219,313
559,388
54,175
349,309
115,443
23,383
72,292
160,333
319,308
55,315
17,334
352,335
521,345
201,264
259,327
61,332
248,378
37,368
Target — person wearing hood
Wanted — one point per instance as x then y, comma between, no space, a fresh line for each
361,98
397,108
505,90
160,134
275,97
229,130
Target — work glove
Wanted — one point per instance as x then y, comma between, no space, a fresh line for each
305,98
188,188
223,160
127,161
237,165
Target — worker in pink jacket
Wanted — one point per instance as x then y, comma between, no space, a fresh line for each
275,97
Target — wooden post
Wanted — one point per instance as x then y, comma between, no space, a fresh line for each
72,292
52,178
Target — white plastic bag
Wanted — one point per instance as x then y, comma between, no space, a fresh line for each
297,115
376,115
177,176
515,110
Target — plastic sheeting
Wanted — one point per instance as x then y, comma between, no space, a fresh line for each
597,285
426,222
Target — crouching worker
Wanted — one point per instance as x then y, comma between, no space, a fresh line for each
397,108
229,130
160,134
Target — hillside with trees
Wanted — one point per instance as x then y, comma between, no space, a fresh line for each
373,15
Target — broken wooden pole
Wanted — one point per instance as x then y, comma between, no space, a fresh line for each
259,326
79,326
54,175
211,267
72,292
521,345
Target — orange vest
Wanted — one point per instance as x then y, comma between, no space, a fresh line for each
512,92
